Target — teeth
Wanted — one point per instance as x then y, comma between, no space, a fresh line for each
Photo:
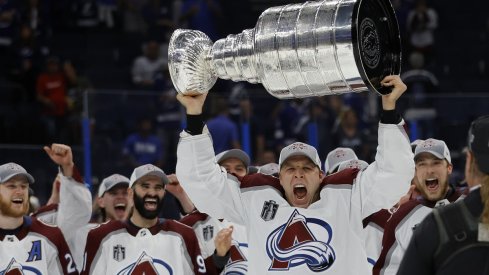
150,200
17,200
431,179
120,205
299,186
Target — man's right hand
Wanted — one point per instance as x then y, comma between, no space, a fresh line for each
193,104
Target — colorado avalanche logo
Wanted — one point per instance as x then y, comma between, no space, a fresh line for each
293,244
237,264
147,266
15,268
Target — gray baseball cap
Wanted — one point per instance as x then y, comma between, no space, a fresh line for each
234,153
353,163
479,142
338,156
110,182
436,147
299,149
146,170
10,170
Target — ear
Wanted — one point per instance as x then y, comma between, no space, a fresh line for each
450,168
130,194
100,202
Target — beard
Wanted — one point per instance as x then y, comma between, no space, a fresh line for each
7,210
147,214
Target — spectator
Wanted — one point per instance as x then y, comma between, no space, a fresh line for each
421,24
202,15
28,54
132,16
147,67
8,25
159,18
223,130
52,91
143,147
107,12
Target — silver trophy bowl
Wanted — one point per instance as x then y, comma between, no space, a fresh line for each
301,50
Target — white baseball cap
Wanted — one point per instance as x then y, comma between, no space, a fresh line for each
234,153
146,170
110,182
299,149
338,156
10,170
271,168
436,147
353,163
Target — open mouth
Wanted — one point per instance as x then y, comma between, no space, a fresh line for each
18,201
150,204
120,207
432,184
300,191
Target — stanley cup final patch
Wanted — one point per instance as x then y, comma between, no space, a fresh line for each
208,232
119,252
269,210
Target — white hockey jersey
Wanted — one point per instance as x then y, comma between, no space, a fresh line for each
37,248
206,228
168,247
398,231
324,238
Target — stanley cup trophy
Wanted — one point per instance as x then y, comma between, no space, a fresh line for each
300,50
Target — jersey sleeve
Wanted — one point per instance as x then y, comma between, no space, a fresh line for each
388,178
75,207
207,185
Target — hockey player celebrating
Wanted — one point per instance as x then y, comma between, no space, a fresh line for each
301,222
144,244
26,243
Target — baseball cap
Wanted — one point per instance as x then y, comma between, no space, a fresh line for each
337,156
10,170
299,149
415,143
436,147
269,169
479,142
353,163
110,182
147,170
234,153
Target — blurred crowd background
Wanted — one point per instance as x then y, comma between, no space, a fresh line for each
93,74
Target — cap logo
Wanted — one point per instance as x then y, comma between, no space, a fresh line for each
298,146
428,144
13,166
340,153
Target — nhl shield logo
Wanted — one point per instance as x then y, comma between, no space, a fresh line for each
269,210
119,253
208,232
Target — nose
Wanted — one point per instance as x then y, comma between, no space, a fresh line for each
299,173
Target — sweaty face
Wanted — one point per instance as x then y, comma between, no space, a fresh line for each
432,176
148,196
14,197
116,203
234,166
300,178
